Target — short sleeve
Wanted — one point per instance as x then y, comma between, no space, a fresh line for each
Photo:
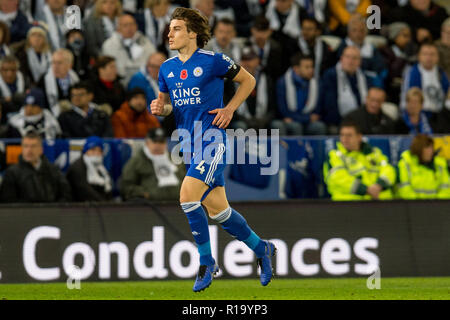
162,82
224,66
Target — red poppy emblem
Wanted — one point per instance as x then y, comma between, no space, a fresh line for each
183,74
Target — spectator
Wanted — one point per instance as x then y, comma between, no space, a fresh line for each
442,122
147,78
341,12
422,173
12,84
4,40
427,76
15,19
87,176
423,16
151,174
443,45
206,7
106,83
154,19
371,118
101,24
59,78
34,117
133,120
400,53
129,47
355,170
259,109
284,18
35,55
413,120
76,44
297,93
309,43
372,61
84,118
53,16
342,89
34,178
316,9
268,49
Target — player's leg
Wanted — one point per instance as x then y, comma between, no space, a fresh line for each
235,224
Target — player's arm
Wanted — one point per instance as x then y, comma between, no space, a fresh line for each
246,85
161,106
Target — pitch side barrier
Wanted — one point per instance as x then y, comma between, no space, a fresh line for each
152,241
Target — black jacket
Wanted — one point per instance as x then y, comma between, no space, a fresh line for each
114,96
23,183
74,125
372,124
81,189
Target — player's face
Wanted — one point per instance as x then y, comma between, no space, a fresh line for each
350,139
179,37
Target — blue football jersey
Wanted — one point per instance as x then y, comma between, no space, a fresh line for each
196,87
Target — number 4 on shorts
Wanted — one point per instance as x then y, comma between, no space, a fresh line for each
200,167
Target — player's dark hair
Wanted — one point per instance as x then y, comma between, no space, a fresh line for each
195,22
347,123
297,58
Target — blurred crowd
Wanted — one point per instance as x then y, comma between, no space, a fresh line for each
318,64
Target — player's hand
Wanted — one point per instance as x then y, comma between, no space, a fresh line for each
157,105
223,117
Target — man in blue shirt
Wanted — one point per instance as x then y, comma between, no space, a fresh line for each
191,86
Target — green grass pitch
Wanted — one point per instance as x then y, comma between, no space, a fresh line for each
221,289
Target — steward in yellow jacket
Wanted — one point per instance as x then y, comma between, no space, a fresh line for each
421,173
357,171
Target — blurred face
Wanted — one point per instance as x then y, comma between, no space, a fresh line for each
37,41
154,63
305,69
206,7
31,150
179,37
427,154
156,148
138,102
403,38
428,57
160,10
108,7
94,152
309,30
109,72
80,97
8,6
224,33
420,5
8,72
357,32
283,5
414,105
374,101
127,26
251,65
32,110
261,36
350,60
60,65
445,35
56,5
350,139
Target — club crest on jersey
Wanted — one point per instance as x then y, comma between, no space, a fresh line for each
198,71
183,74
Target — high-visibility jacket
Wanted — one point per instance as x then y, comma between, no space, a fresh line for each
349,174
420,181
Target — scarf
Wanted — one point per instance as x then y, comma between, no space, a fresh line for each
266,51
155,36
233,50
367,49
51,87
164,168
261,99
398,52
424,126
5,50
292,25
351,5
6,91
318,53
54,28
109,26
346,99
45,124
153,83
291,93
37,66
434,96
318,8
96,173
131,46
8,18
